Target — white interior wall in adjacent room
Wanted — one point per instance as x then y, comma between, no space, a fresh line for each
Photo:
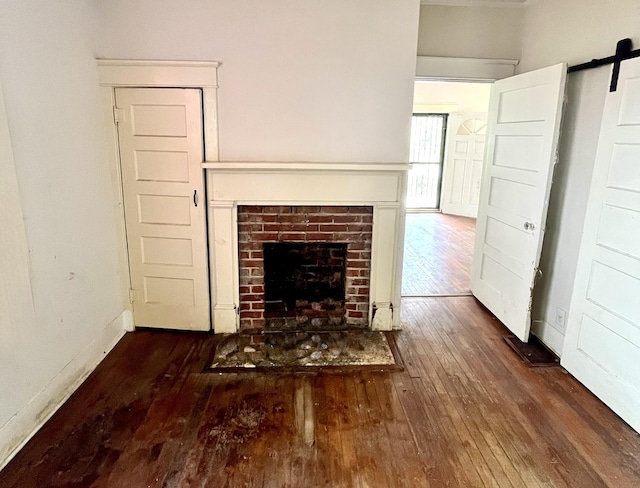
572,31
300,80
62,303
470,32
449,97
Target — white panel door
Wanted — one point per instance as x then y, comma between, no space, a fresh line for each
466,136
161,152
522,138
602,343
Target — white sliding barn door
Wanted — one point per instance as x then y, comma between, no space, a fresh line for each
161,152
522,138
602,343
463,168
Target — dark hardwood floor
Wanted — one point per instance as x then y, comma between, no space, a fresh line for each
464,412
438,252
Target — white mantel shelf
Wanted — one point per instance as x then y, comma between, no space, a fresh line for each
302,166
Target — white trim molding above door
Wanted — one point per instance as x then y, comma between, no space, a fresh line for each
117,73
114,73
464,69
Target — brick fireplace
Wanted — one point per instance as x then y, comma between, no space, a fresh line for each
256,204
314,236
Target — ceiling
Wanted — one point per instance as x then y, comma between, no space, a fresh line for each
478,3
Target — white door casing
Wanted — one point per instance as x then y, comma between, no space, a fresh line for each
463,165
161,150
602,342
523,130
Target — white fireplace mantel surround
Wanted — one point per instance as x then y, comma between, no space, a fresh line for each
380,185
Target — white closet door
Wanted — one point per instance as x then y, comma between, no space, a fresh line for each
161,152
523,130
602,343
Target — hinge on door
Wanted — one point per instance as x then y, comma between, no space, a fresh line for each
118,115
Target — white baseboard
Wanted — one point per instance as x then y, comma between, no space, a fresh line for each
127,321
24,425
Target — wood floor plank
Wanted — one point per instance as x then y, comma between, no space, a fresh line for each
340,468
369,439
408,466
283,439
347,411
303,462
322,446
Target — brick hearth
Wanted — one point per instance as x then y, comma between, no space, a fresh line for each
340,224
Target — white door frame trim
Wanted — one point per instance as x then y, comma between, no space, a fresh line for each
443,68
115,73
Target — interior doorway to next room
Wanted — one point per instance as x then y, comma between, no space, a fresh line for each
446,153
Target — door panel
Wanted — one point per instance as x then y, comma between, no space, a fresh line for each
466,135
602,343
158,120
518,152
161,152
523,129
169,166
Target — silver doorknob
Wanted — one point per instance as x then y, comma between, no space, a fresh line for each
529,226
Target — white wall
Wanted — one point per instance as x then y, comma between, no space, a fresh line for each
576,31
300,79
572,31
470,32
61,297
449,97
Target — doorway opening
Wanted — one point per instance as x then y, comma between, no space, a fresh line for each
447,153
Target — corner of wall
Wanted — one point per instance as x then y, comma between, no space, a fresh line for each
26,423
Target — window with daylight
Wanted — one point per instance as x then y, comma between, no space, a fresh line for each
427,158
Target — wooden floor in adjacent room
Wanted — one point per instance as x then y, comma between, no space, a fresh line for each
464,412
438,252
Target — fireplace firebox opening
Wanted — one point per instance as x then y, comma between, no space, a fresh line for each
305,284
